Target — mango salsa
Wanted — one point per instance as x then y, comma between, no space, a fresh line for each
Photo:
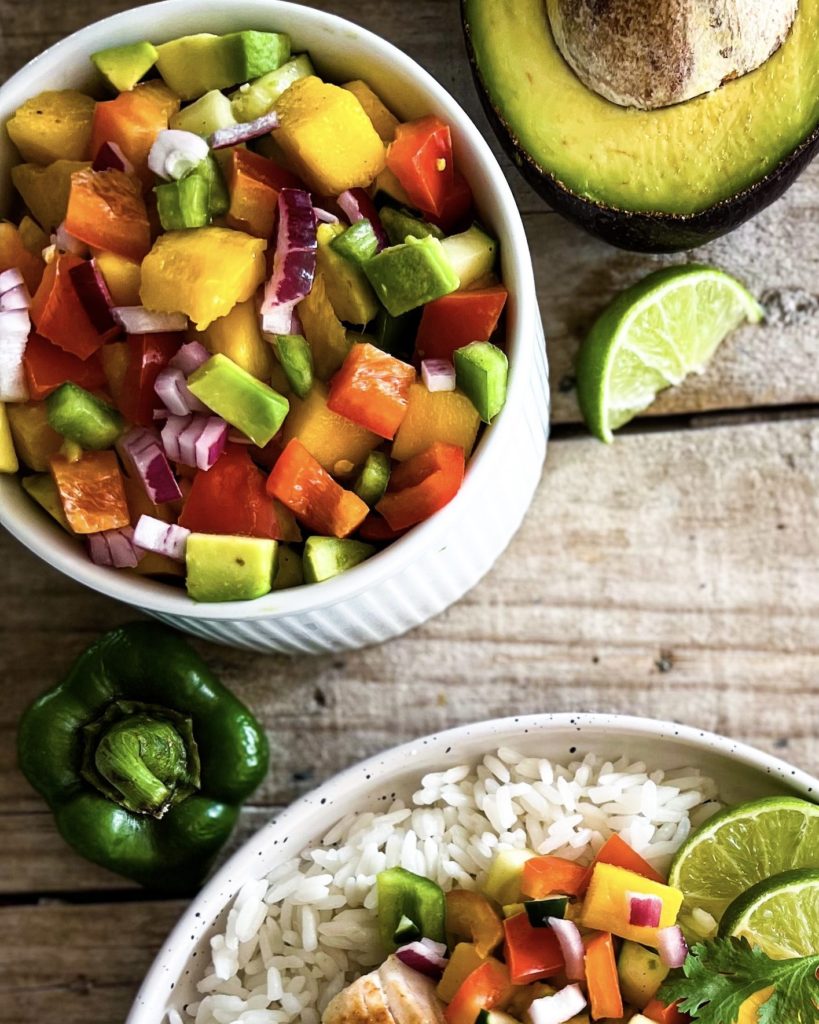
53,126
328,137
606,907
202,272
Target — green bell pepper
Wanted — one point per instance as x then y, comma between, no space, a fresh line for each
406,897
144,757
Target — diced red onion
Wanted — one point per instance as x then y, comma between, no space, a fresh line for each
175,152
111,158
190,357
67,242
15,298
14,321
92,291
167,539
139,320
357,204
10,279
426,957
672,945
236,134
438,374
141,448
195,440
172,390
13,382
294,260
324,216
644,911
114,548
559,1008
571,946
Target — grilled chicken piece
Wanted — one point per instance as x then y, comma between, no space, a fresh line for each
394,994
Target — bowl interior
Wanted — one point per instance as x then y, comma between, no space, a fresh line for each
341,51
741,772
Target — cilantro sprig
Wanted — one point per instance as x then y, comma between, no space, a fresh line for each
718,976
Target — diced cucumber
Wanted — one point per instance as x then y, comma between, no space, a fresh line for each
206,115
407,931
641,973
505,874
325,557
289,572
401,225
184,203
410,275
539,911
357,243
256,98
481,371
372,481
296,358
472,255
81,417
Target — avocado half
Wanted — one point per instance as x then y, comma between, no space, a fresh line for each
657,180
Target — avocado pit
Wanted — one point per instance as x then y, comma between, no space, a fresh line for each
661,52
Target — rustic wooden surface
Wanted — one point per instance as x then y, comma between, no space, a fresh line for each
672,575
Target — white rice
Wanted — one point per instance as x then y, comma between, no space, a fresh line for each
295,938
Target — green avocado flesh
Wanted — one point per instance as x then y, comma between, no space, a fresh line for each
681,159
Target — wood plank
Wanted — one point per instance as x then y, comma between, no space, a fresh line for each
576,274
77,964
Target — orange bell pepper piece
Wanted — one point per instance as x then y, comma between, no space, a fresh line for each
422,485
58,314
92,492
616,851
298,481
106,211
663,1014
602,978
132,120
421,159
47,367
530,953
469,915
488,987
254,183
14,255
545,875
457,319
372,389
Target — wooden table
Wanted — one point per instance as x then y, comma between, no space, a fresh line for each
674,574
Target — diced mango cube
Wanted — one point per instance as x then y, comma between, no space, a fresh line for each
606,907
202,273
122,276
8,456
41,487
383,119
53,126
435,416
328,137
34,440
331,439
239,337
45,190
323,330
15,255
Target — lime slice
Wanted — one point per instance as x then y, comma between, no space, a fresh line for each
742,846
780,915
652,335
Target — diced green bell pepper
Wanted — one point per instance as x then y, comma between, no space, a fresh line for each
357,243
395,334
481,371
400,225
539,911
81,417
402,893
371,484
183,203
296,358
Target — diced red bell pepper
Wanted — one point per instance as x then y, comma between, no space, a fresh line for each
106,211
92,491
422,485
254,183
372,389
133,120
47,367
616,851
375,528
456,320
530,953
421,159
602,978
148,354
663,1014
312,495
457,207
543,876
231,498
58,314
488,987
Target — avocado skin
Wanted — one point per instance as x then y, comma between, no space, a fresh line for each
642,232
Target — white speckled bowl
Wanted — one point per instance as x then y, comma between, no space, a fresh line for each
437,562
742,772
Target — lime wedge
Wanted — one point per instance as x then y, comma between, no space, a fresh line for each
742,846
780,915
652,335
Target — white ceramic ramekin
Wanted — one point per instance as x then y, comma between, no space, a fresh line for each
742,773
437,562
